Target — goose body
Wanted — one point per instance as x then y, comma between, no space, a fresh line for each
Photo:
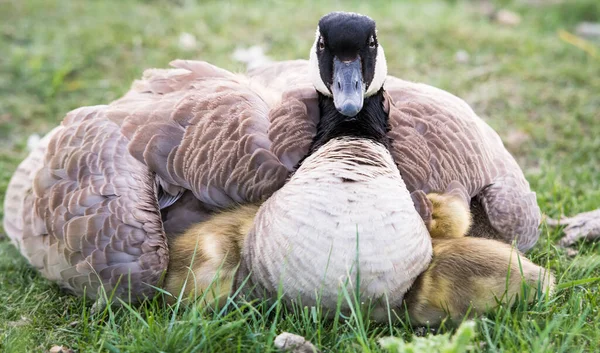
98,203
332,221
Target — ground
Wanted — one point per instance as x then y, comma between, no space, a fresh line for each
530,81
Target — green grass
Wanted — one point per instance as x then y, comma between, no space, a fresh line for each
540,93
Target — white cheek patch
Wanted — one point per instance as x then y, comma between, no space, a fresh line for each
313,67
380,73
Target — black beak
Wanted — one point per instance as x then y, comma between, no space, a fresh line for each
347,88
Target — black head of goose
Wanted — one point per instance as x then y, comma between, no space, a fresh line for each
348,69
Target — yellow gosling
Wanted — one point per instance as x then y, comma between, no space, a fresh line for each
471,275
205,258
451,217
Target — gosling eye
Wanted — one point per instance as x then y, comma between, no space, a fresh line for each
321,44
372,43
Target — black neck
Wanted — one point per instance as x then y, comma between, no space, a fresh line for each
370,123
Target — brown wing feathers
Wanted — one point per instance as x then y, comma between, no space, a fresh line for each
91,214
217,140
92,217
438,142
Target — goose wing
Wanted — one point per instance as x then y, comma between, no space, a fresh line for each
223,137
85,207
440,144
86,210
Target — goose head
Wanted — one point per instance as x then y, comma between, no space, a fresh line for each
347,62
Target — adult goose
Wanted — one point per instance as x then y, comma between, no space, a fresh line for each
344,218
93,206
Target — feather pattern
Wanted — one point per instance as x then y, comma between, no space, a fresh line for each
84,206
92,205
91,215
332,212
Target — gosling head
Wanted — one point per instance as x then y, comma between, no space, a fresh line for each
347,62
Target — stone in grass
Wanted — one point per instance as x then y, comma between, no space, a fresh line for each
459,343
507,18
588,29
462,57
291,343
61,349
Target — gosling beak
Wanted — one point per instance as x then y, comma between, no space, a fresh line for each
347,88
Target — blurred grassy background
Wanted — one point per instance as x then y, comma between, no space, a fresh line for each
540,92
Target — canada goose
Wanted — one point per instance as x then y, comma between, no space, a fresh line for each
93,206
345,218
440,145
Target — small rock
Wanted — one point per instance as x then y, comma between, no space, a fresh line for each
61,349
462,57
588,29
187,41
73,324
289,342
571,252
507,18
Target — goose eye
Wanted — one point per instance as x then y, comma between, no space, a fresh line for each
321,44
371,42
